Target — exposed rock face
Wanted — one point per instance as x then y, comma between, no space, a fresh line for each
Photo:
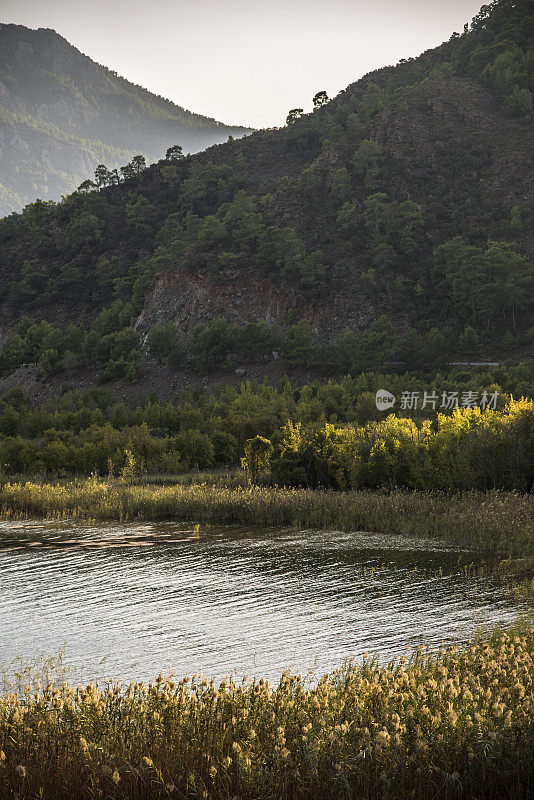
186,300
447,143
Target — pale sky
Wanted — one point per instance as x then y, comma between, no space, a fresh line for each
244,61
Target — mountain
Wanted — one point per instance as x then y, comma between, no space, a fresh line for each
61,114
393,225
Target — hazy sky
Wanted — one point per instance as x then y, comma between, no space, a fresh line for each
245,61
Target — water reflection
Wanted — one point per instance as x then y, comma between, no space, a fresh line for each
131,600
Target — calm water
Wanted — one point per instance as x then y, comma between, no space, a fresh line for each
131,600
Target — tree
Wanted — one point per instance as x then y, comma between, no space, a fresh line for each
124,344
300,343
174,153
211,342
457,273
348,218
340,189
212,232
507,284
257,458
141,214
31,284
394,228
50,361
287,469
280,251
207,185
130,470
82,233
313,271
138,164
257,340
102,176
378,344
127,172
412,350
438,345
86,186
468,342
163,342
294,115
345,349
225,448
247,231
320,99
243,221
195,448
367,162
492,286
70,363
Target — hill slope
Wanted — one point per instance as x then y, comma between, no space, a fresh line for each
395,223
61,114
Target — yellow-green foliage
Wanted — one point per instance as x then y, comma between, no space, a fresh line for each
456,724
257,459
470,449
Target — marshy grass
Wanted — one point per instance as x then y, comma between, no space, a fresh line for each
454,724
458,723
497,523
215,477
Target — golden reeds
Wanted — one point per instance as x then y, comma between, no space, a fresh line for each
459,723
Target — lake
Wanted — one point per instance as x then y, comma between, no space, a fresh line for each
131,600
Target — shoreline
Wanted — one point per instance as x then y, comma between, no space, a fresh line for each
458,718
419,727
496,523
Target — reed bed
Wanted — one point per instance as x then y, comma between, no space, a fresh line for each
216,477
497,523
459,723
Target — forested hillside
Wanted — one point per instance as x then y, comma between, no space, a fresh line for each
394,224
61,114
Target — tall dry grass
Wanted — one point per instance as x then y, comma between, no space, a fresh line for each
498,523
457,724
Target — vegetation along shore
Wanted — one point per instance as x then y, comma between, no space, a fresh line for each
459,723
387,476
498,523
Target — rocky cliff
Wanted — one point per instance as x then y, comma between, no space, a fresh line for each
187,300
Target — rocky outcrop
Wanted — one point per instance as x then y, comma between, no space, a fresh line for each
34,164
186,300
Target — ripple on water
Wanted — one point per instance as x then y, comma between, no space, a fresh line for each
131,600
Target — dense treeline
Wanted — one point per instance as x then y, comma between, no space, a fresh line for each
468,449
82,433
106,345
115,349
336,201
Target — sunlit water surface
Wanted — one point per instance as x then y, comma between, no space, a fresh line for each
130,601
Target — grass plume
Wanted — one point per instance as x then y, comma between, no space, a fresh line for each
456,723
